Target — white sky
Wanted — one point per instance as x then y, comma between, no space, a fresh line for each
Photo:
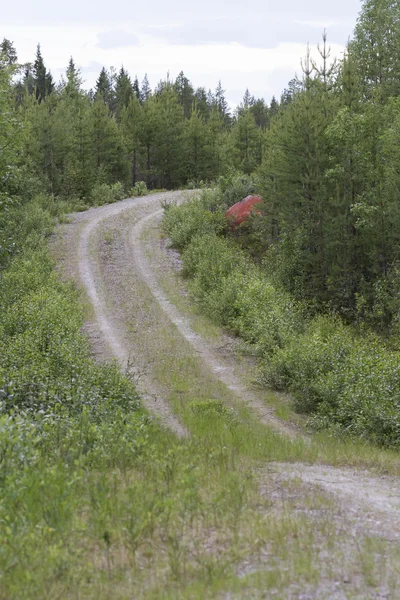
258,44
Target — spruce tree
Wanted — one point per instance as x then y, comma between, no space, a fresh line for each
43,81
145,90
7,48
169,147
123,91
136,89
201,102
222,103
131,120
197,151
185,93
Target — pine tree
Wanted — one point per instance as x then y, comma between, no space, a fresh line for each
197,150
201,103
145,90
376,47
123,91
222,104
72,87
185,93
107,144
246,141
43,80
148,129
273,108
131,120
136,90
104,89
260,112
8,49
169,147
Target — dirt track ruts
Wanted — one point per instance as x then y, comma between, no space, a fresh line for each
110,338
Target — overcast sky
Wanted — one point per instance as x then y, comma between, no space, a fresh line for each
256,44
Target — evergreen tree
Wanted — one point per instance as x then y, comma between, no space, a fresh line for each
376,47
260,112
145,90
201,102
197,152
273,107
136,90
43,80
72,87
185,93
131,119
169,147
7,48
247,141
107,144
123,91
222,104
104,89
148,130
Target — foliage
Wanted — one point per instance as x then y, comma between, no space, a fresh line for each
139,189
345,379
106,194
193,218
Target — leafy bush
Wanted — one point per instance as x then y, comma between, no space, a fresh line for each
139,189
235,187
192,218
107,194
344,380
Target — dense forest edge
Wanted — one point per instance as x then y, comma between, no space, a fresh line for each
311,284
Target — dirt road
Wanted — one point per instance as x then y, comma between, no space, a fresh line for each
135,322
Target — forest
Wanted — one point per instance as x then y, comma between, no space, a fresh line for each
97,497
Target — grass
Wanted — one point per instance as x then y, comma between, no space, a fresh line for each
106,503
255,439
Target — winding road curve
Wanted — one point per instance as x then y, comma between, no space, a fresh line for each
128,276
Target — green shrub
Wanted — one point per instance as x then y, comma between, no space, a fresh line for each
235,187
344,380
323,347
107,194
189,219
139,189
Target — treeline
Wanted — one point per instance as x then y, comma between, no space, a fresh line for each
123,131
325,158
330,177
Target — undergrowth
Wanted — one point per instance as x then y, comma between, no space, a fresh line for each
345,378
97,500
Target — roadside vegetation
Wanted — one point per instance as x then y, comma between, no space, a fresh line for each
97,498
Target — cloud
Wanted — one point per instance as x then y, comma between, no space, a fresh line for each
265,32
117,39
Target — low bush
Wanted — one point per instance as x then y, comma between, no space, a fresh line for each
345,378
139,189
197,216
106,194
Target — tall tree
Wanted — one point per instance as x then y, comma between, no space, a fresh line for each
7,48
185,93
145,90
131,118
222,103
43,80
169,147
123,91
376,47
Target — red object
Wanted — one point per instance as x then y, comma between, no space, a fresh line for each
239,212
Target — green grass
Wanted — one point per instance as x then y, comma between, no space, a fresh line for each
98,501
246,432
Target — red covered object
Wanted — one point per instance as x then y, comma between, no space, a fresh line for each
239,212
